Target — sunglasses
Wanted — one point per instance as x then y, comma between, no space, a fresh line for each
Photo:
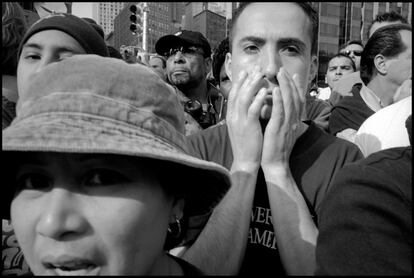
185,50
356,52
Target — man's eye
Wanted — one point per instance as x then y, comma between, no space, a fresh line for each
292,49
104,177
31,56
250,49
33,181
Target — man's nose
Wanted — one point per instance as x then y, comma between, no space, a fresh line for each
61,215
179,57
271,64
46,60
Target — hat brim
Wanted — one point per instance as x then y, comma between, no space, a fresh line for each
80,133
165,43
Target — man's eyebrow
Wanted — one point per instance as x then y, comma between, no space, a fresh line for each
32,45
57,48
292,41
254,39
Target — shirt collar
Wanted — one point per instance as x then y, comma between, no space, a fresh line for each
371,99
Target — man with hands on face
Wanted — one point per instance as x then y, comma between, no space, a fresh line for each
281,166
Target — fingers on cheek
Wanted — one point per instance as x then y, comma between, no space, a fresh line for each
278,107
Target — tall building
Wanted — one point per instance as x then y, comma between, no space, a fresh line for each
163,18
211,26
340,22
212,19
105,12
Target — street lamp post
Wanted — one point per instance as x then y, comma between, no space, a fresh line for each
145,31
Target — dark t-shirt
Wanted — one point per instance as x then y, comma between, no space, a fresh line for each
350,112
365,226
318,111
188,269
315,159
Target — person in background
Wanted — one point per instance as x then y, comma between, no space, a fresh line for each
385,129
281,166
219,71
339,66
52,39
158,63
188,63
353,49
386,63
385,19
84,189
365,227
344,86
13,27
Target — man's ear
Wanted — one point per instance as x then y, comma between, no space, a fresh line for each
207,63
313,71
227,65
381,64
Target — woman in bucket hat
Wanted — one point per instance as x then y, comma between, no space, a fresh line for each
100,177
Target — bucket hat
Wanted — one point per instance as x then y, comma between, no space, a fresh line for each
98,105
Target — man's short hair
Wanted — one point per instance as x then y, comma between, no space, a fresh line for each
388,17
386,41
306,7
359,42
219,57
342,55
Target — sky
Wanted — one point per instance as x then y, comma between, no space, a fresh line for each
82,9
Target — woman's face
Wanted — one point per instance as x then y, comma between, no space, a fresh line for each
90,214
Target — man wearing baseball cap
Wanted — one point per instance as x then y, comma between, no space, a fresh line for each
188,56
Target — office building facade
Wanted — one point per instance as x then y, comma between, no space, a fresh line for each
104,14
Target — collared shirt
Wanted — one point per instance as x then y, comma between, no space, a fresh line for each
371,99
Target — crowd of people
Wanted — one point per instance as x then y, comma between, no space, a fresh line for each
201,161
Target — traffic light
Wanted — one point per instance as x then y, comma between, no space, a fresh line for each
135,19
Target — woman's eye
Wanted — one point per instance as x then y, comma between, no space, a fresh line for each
33,181
104,177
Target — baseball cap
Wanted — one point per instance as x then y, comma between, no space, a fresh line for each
184,37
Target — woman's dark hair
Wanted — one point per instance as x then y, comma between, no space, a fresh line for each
385,41
305,6
219,57
13,28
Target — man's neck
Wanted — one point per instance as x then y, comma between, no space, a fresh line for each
383,89
198,92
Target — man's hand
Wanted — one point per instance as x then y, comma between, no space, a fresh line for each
245,101
285,124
